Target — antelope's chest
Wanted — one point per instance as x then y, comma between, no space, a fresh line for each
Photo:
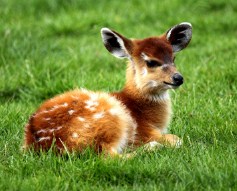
154,116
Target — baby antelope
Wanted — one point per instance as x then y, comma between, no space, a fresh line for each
109,122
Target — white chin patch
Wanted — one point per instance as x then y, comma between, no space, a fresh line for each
169,87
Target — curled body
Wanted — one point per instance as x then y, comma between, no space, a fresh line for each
109,122
78,119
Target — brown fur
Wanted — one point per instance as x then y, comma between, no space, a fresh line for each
137,115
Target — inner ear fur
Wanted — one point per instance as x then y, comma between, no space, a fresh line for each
116,44
179,36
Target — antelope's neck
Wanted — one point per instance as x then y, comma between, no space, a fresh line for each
149,111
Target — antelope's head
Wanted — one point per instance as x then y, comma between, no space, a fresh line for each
151,68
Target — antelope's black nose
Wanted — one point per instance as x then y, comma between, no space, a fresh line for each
177,79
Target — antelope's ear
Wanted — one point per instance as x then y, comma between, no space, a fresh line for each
179,36
115,43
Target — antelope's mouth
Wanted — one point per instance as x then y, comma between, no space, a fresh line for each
172,84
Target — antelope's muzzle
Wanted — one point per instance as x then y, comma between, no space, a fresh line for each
177,79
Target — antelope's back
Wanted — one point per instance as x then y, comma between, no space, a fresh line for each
79,119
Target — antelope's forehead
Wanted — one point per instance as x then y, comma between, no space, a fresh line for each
155,48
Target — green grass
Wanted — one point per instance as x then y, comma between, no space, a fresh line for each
48,47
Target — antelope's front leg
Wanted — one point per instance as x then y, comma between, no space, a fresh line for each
164,139
172,140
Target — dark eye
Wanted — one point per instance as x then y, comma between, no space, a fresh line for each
152,63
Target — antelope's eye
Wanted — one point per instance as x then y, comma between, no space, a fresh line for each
152,63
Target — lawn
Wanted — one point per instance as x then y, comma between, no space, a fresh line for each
48,47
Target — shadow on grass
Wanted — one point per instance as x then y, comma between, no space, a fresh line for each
10,95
